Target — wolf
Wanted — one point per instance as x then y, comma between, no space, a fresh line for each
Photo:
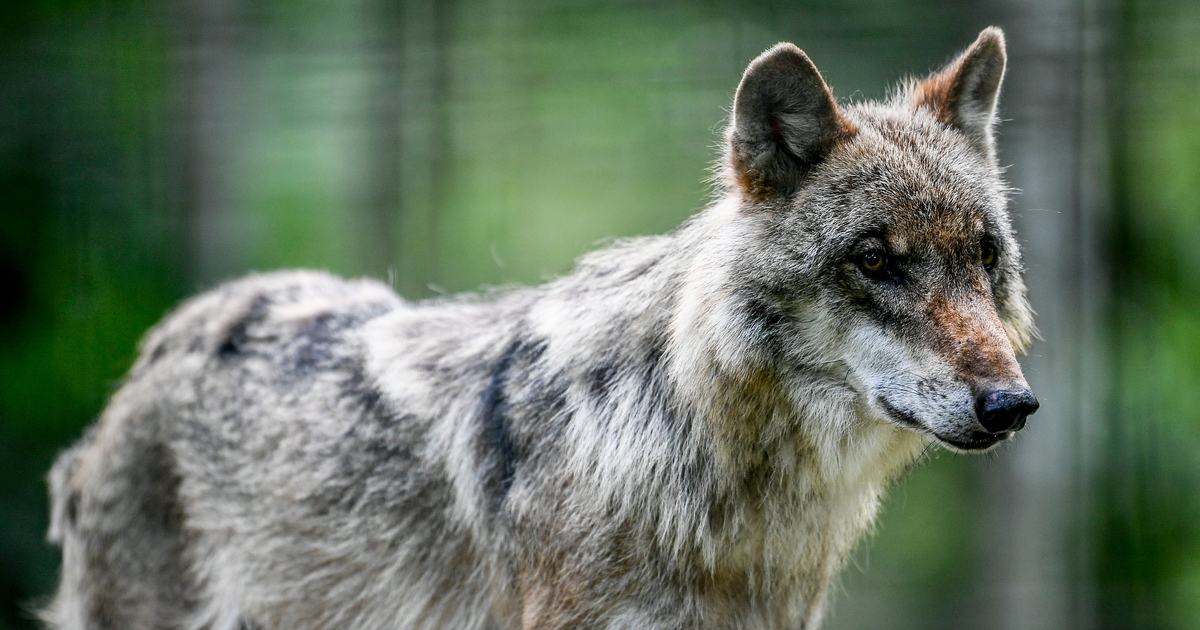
687,431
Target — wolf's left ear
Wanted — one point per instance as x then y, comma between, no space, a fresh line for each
784,122
964,93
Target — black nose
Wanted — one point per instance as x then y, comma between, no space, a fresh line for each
1001,410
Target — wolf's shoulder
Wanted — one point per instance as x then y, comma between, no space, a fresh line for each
262,307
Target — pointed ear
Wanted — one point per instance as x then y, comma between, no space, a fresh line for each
784,122
963,94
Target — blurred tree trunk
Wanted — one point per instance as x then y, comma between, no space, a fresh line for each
1038,536
210,73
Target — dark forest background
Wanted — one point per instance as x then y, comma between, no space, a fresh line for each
151,149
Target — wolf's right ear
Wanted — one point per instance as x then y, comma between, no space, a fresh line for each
784,122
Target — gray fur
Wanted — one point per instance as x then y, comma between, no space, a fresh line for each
688,431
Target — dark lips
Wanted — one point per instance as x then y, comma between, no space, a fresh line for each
979,440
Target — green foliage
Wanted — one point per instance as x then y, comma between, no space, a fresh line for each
1150,565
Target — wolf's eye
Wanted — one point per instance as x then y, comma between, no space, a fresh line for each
873,263
988,256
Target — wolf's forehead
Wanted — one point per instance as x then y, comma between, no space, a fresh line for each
919,181
938,217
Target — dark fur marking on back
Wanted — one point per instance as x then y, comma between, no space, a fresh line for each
496,428
366,395
158,352
496,407
381,440
316,346
599,379
235,340
316,343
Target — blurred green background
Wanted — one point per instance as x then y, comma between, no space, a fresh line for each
151,149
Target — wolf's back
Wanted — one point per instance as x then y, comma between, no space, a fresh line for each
249,442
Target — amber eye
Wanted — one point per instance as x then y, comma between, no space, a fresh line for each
873,262
988,256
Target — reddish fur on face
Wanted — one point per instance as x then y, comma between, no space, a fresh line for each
963,94
937,93
971,338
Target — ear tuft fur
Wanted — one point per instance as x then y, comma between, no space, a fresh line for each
964,93
785,121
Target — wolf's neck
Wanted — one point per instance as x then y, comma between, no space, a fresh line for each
762,382
689,429
803,461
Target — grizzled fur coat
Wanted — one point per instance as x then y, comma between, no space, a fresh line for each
687,431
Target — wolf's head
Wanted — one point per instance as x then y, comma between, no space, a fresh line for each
875,247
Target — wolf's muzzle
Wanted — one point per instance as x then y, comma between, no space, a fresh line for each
1002,410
